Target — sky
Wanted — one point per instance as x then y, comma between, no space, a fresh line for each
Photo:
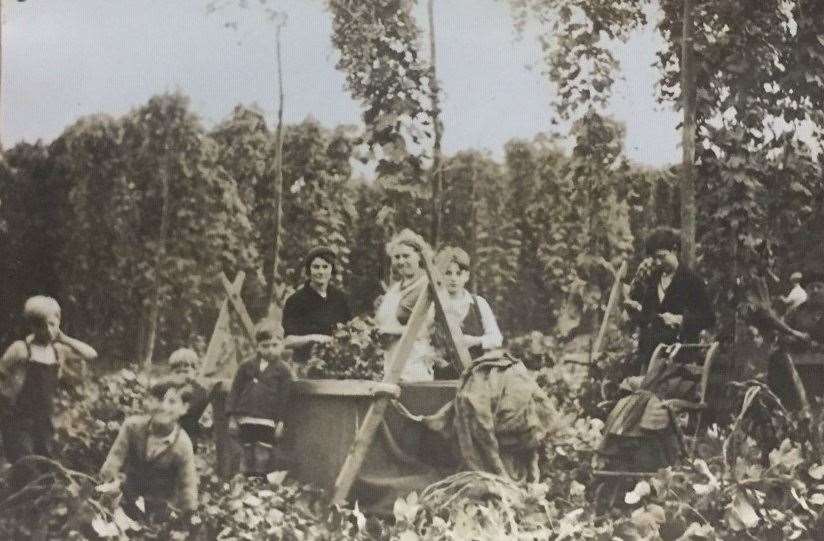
66,59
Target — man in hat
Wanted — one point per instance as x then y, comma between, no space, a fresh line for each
311,313
797,294
807,322
671,303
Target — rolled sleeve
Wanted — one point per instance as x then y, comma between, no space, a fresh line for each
118,453
187,475
492,337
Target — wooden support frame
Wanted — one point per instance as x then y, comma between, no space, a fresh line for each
614,294
232,303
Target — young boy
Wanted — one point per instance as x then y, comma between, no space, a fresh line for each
258,399
152,455
184,363
29,373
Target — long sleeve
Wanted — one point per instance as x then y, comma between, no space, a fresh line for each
238,386
492,337
698,314
292,322
187,478
10,380
117,454
284,390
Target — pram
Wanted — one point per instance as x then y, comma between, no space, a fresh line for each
643,431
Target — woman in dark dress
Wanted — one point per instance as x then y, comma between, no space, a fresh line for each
312,312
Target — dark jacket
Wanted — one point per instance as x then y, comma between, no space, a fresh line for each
686,296
260,394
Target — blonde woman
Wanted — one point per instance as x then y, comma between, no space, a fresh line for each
407,250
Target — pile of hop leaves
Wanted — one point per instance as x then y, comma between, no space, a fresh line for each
355,352
89,416
41,499
271,507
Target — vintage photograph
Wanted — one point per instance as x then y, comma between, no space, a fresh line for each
412,270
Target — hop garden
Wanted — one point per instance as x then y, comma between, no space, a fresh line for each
130,219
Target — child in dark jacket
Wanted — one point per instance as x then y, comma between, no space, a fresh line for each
258,399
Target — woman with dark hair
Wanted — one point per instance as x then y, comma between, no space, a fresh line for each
471,312
669,300
407,251
312,312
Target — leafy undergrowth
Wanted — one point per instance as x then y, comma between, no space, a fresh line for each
756,477
355,352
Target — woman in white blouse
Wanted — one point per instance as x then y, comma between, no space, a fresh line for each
474,315
406,250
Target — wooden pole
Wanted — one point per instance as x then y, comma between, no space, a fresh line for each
688,136
437,127
237,303
1,75
613,300
277,211
221,332
806,411
160,259
374,415
459,349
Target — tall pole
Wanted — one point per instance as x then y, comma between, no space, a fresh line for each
278,187
688,136
1,75
436,176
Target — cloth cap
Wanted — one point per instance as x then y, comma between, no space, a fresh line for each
268,329
451,254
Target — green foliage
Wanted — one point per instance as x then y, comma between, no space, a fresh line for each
354,353
575,39
378,42
114,228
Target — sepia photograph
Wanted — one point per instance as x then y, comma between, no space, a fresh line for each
401,270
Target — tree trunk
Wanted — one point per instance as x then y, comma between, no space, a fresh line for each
688,136
435,173
160,257
272,290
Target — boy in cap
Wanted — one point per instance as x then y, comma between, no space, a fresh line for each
258,399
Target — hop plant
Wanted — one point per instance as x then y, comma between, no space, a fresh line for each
355,352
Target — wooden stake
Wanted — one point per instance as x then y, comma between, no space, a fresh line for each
220,333
237,303
458,346
613,300
374,415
